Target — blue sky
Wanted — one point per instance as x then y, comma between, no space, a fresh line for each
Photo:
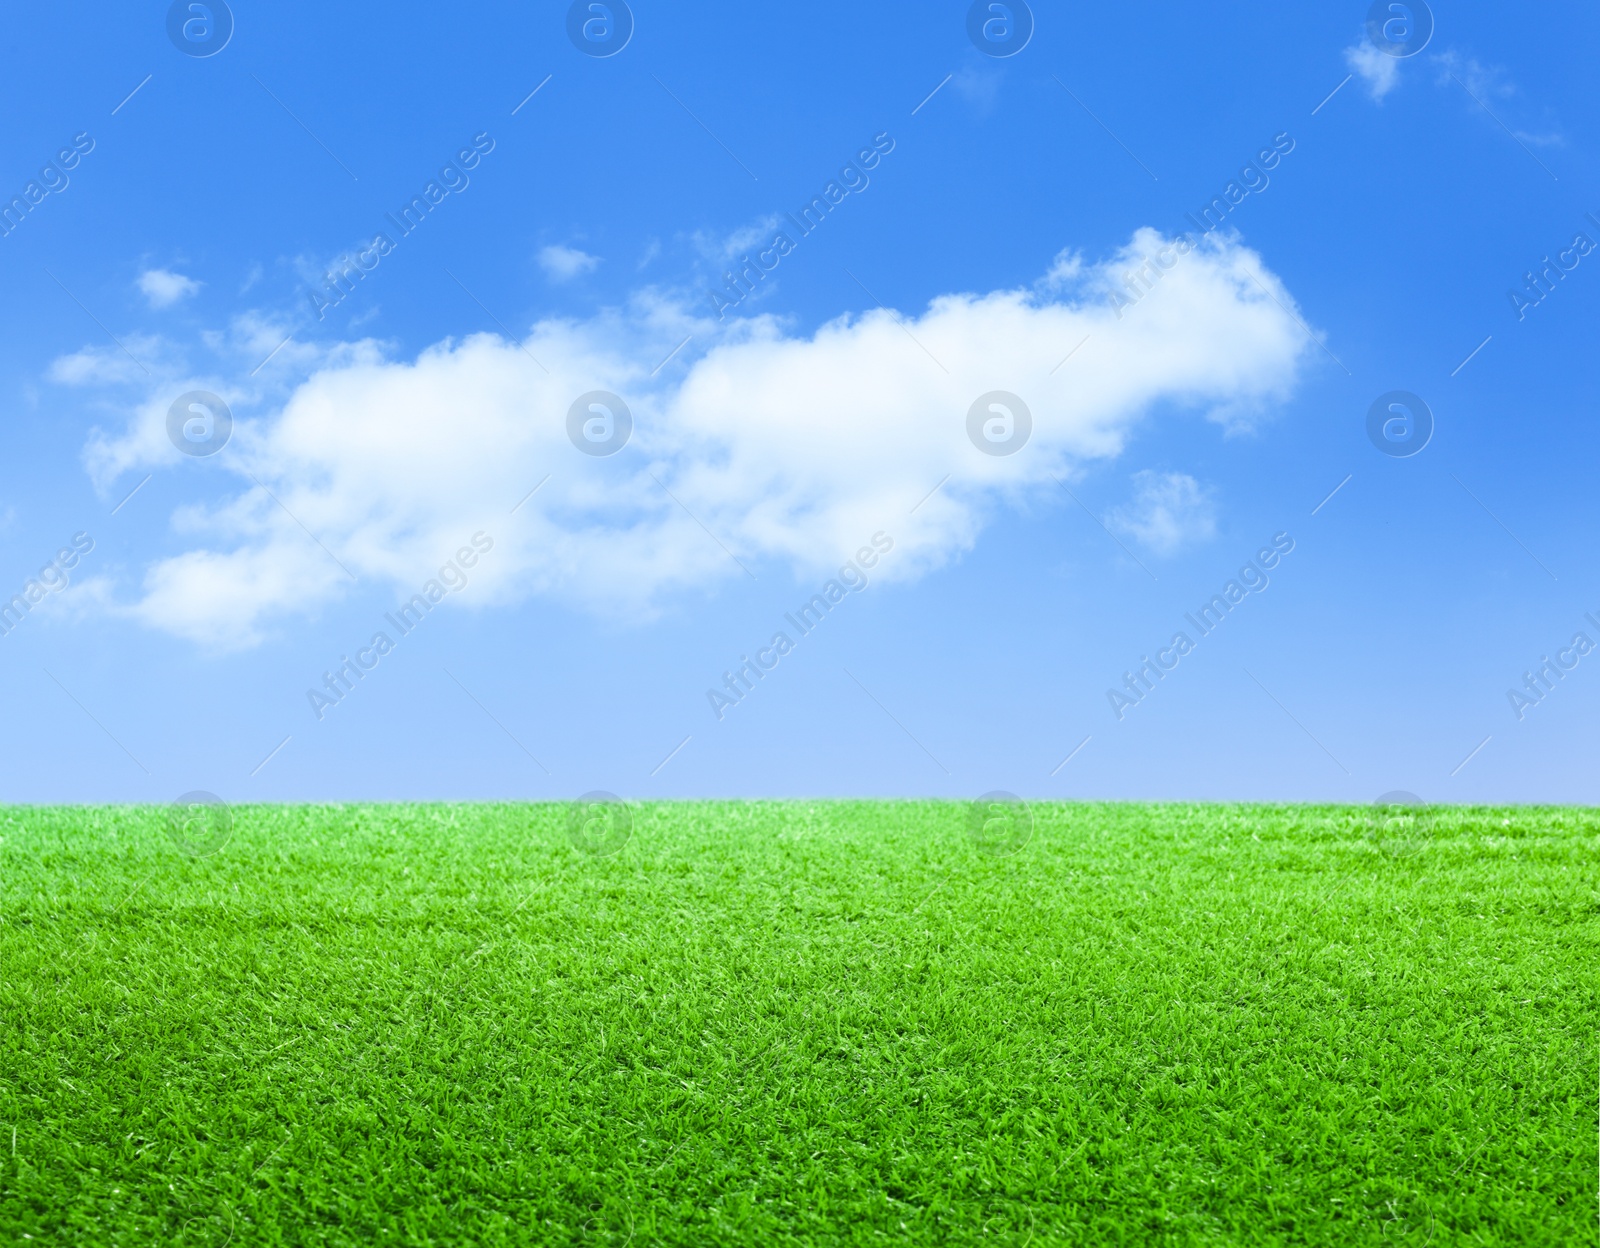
984,219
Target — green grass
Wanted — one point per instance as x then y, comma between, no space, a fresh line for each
799,1023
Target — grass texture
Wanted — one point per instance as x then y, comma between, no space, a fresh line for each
799,1023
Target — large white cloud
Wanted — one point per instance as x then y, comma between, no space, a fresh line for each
791,450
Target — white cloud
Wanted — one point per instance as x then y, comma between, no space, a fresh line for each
791,449
216,599
260,342
164,288
1169,510
80,599
1378,70
91,366
562,263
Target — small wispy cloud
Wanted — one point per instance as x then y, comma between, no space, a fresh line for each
562,264
979,87
1169,510
1494,93
163,288
123,364
1065,270
1378,70
1485,81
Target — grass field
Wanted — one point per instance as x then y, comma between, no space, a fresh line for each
799,1023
